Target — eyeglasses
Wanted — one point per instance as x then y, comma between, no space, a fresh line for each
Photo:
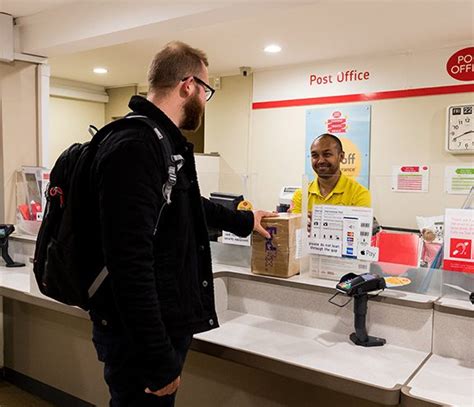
207,89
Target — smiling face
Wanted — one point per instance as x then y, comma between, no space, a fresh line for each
326,157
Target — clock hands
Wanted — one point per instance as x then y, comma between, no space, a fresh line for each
463,134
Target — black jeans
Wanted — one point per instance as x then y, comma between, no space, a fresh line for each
122,370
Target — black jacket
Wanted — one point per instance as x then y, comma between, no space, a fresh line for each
160,285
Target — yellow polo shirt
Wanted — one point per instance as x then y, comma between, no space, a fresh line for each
347,192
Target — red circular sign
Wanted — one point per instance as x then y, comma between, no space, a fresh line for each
460,65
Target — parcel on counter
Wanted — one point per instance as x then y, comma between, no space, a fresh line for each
277,256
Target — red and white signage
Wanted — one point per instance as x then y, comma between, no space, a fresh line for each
461,65
337,124
458,240
410,178
348,76
435,72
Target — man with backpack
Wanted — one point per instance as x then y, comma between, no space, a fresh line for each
159,287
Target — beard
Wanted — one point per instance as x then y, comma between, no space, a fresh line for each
193,111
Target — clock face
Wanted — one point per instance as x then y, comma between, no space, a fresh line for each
460,129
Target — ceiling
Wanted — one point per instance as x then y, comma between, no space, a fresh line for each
21,8
233,33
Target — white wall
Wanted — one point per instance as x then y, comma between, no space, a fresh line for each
407,131
117,106
69,121
207,167
403,131
277,152
18,129
227,132
267,145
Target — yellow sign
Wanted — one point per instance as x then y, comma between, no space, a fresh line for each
352,163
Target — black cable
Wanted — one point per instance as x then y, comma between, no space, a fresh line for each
335,303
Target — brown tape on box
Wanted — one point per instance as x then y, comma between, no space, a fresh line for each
277,256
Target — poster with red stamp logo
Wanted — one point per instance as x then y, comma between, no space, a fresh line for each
351,124
458,240
337,123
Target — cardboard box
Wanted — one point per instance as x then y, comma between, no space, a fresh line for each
277,256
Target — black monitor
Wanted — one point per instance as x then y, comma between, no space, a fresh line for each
230,201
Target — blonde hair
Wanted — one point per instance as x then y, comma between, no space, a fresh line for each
173,63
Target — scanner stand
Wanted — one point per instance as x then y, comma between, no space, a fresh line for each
360,337
358,287
8,260
5,231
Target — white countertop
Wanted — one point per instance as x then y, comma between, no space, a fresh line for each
15,278
444,380
18,283
19,280
386,367
453,303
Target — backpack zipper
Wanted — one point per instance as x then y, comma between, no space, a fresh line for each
159,217
57,191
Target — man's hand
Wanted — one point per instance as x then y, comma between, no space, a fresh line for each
257,218
168,389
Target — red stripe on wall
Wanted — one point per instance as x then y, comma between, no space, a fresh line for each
363,97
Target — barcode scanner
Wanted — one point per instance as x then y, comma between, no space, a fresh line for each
358,284
358,287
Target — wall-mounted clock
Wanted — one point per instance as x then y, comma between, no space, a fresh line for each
460,129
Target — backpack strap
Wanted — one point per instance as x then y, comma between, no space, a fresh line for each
173,162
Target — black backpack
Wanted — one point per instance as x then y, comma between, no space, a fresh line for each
68,262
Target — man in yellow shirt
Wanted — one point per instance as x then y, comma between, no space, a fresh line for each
331,187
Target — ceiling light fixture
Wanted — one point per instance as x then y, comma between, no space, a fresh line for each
272,49
100,71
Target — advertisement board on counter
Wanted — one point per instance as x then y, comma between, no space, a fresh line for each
458,240
342,231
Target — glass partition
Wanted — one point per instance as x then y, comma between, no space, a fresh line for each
234,190
404,235
417,247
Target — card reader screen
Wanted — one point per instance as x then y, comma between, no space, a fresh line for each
348,284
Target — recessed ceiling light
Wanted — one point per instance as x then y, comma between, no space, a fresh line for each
100,70
272,49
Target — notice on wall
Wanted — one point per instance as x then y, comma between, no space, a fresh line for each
230,238
341,231
459,180
410,178
458,240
